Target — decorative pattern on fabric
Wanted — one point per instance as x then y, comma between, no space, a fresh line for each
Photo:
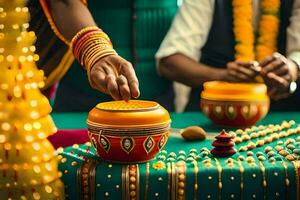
86,180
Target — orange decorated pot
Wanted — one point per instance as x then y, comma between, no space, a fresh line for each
128,132
235,104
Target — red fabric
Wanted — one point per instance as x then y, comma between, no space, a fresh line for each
65,138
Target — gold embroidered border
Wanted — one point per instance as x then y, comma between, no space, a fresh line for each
147,180
196,169
242,179
130,182
297,168
86,180
220,185
264,183
124,167
173,181
169,179
181,180
287,181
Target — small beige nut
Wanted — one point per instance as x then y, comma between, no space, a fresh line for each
193,133
290,157
283,152
121,80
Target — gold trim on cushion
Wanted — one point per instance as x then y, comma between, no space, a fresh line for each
86,180
297,168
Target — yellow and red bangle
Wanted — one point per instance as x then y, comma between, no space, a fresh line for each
90,45
83,31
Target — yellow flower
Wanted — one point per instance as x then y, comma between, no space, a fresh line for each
159,165
244,34
263,51
237,3
270,6
244,52
243,12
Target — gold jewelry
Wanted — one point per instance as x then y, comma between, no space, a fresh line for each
81,32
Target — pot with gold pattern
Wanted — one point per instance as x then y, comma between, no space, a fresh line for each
234,104
128,132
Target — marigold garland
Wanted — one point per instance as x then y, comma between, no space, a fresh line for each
246,48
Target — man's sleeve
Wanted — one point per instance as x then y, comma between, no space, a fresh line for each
293,34
189,30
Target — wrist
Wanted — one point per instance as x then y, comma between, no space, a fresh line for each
294,69
221,75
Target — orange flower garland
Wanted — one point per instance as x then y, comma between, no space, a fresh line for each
246,48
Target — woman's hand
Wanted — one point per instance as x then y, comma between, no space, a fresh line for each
115,76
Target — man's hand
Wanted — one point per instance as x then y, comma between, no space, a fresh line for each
278,73
115,76
239,71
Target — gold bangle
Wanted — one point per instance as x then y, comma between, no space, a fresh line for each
91,46
99,56
95,37
90,56
82,31
87,54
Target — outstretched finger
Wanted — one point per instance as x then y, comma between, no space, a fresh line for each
281,71
123,87
128,71
281,80
272,66
269,59
112,87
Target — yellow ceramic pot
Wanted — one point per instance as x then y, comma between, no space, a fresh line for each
234,104
127,132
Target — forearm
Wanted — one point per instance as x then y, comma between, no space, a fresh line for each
70,16
181,68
